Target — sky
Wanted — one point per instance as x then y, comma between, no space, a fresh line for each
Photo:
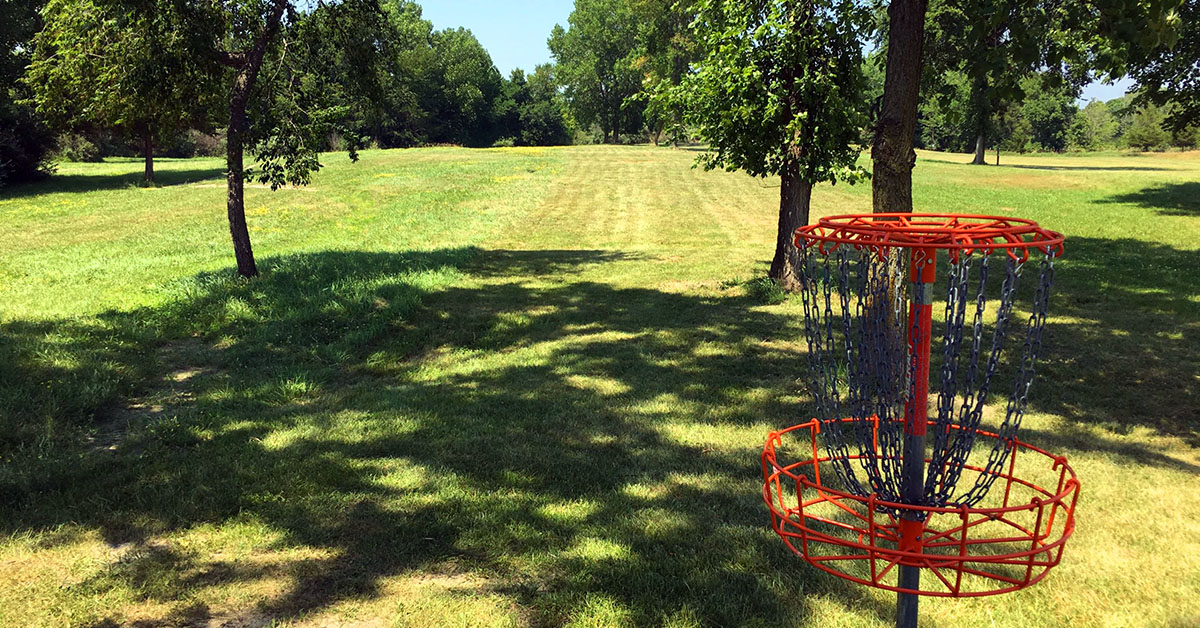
515,33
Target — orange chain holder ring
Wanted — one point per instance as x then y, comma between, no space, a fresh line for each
895,476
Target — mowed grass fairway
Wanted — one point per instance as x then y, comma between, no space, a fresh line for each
529,388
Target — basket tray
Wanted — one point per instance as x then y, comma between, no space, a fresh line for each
970,551
958,233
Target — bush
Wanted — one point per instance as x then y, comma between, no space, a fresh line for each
25,146
209,145
764,290
75,147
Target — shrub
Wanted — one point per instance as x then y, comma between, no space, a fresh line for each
75,147
25,146
764,290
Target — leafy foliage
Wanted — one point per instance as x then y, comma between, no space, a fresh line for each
97,66
995,45
597,58
780,85
1146,130
1172,75
25,142
530,110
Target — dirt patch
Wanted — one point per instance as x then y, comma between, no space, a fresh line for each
184,364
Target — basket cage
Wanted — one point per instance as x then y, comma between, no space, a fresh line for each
861,348
918,321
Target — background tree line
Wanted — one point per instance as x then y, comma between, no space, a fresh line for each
441,87
1049,118
83,80
788,88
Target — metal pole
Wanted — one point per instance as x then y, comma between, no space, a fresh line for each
923,272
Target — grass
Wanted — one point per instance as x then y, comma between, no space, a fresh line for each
528,387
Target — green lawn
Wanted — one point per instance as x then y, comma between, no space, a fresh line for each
528,387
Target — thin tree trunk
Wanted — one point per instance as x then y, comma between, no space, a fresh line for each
997,153
795,196
892,151
148,153
247,65
235,202
981,150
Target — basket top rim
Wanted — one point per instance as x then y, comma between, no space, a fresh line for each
956,232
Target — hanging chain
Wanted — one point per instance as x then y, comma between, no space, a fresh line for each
856,326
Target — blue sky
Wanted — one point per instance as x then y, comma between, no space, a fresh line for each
515,32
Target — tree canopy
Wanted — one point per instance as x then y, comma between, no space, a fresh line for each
1170,75
597,63
128,71
24,140
779,91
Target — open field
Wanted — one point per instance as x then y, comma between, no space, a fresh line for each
527,387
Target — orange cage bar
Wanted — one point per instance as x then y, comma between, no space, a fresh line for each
971,551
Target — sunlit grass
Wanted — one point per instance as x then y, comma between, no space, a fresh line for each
529,387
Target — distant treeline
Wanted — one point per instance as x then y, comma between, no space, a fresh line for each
430,87
1048,118
613,61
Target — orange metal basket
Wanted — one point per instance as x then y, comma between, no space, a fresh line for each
973,551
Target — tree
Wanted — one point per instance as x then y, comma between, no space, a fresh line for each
25,141
596,60
1095,127
469,85
408,79
286,115
1049,106
779,91
128,72
1146,130
530,111
996,45
892,154
665,51
943,122
1012,130
1171,74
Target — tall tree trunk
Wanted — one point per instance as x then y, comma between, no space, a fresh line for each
981,150
892,152
148,153
795,196
235,201
997,153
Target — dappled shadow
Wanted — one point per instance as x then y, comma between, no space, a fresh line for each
495,417
1093,168
1168,199
1121,343
1051,167
534,432
79,183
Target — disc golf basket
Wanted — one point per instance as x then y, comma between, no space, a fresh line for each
888,482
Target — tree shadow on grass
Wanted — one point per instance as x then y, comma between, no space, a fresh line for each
1050,167
452,411
1168,199
1124,349
81,183
489,415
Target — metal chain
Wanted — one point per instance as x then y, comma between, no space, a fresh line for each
863,366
